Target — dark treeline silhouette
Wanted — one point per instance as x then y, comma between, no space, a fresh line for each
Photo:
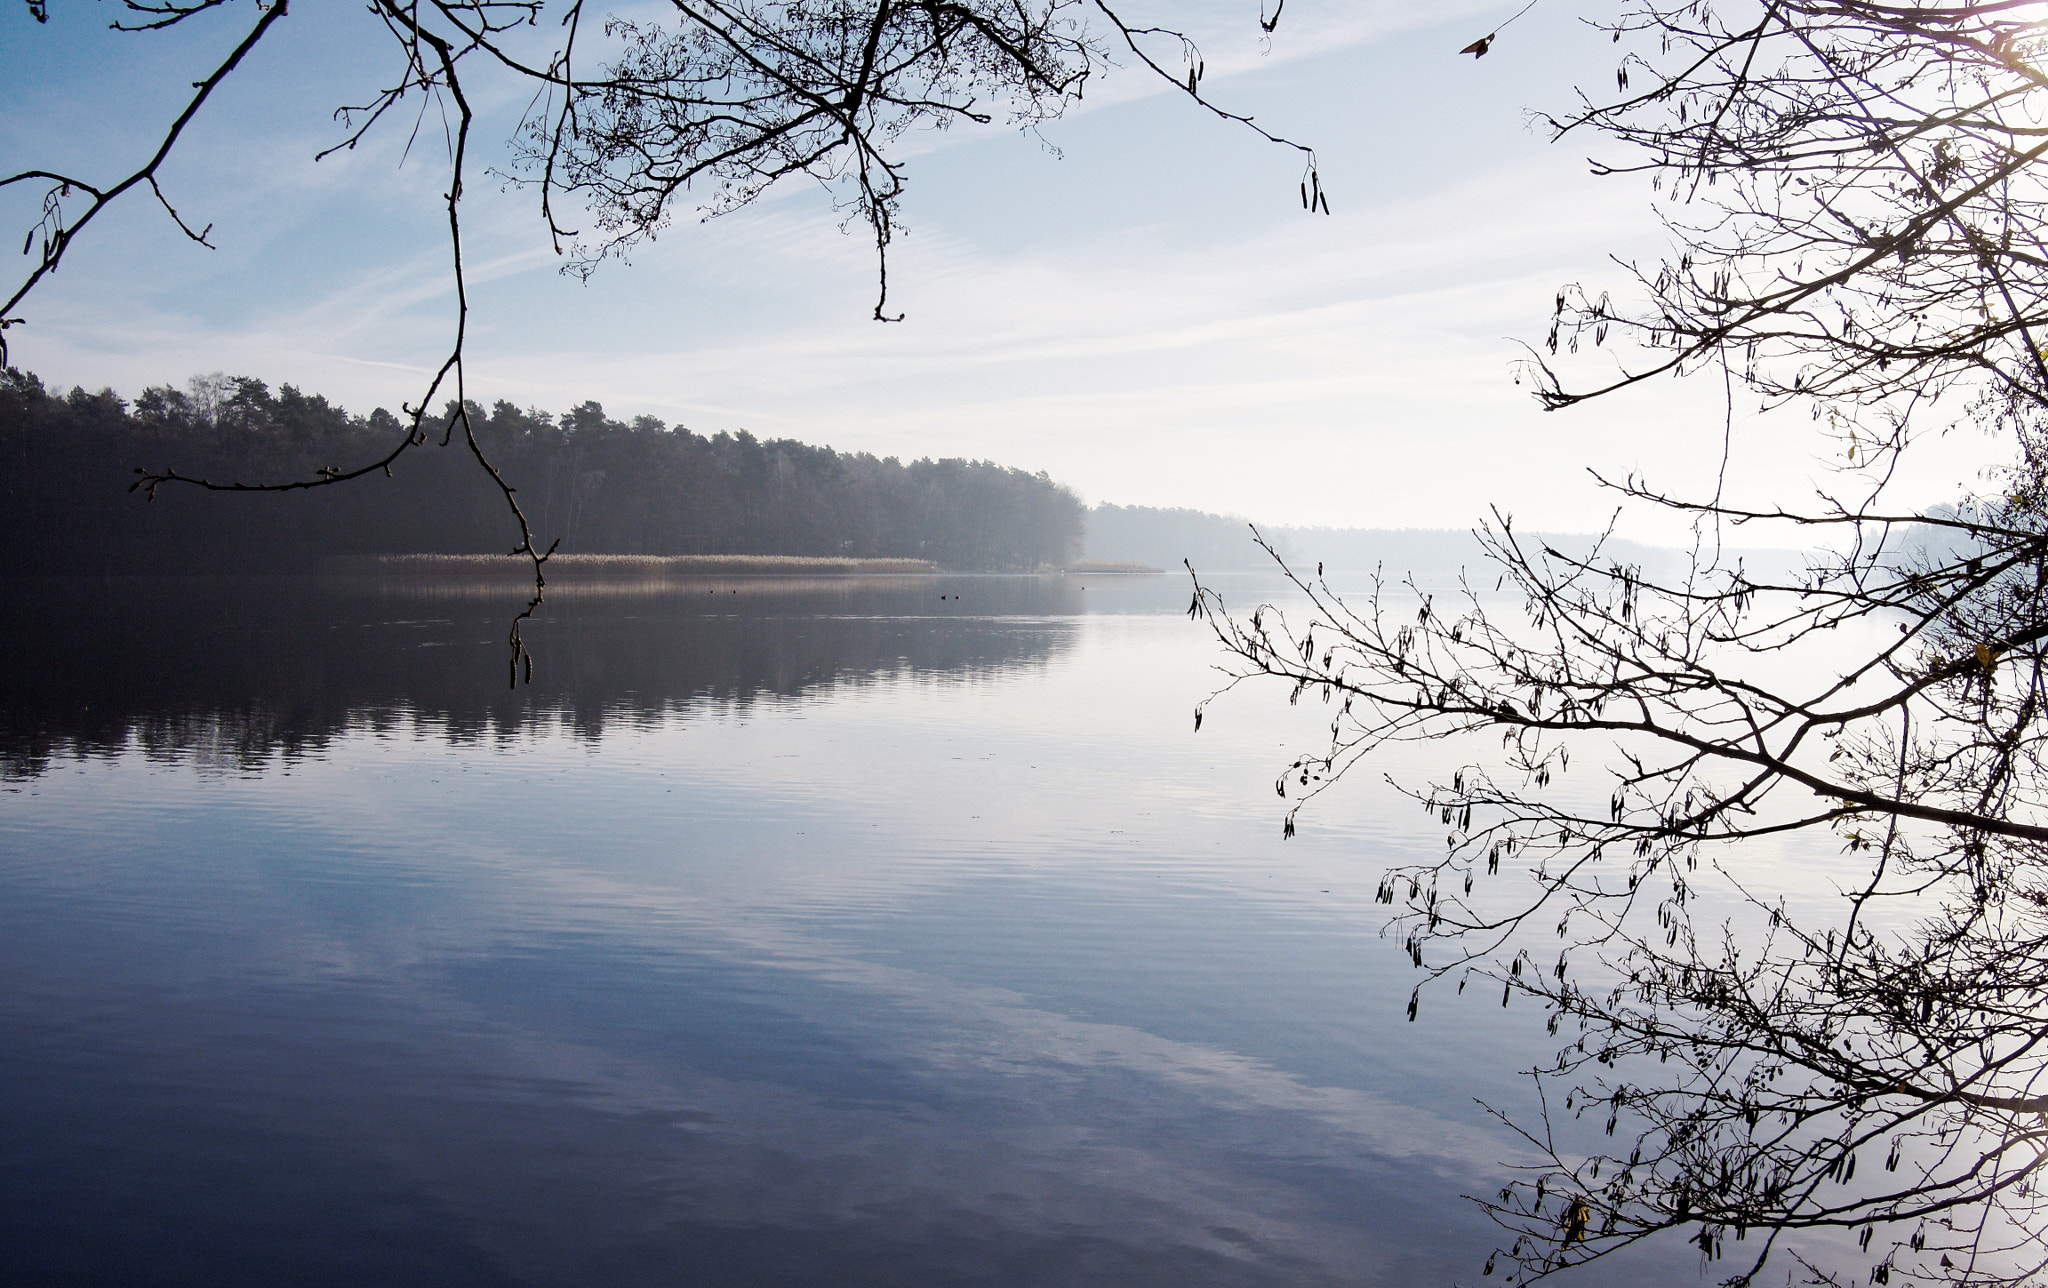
230,671
600,485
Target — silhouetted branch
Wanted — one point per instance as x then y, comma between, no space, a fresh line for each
56,234
1857,205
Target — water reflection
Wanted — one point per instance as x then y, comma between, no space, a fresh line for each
833,935
232,670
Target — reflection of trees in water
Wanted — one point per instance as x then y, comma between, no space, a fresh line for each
230,672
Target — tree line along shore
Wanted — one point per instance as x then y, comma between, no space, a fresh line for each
600,485
634,499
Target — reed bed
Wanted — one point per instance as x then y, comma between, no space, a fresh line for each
1113,568
634,566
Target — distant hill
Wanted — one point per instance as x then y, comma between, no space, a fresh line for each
1223,543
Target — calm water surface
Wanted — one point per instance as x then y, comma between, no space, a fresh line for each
787,932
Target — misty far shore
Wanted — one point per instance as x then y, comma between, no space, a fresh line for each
1437,557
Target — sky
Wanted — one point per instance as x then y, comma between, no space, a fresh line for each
1131,299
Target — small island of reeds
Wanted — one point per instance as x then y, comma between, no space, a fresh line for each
636,565
1113,568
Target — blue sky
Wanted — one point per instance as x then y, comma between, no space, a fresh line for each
1146,312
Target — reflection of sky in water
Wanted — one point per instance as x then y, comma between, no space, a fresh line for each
996,975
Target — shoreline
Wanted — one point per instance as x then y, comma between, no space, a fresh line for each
632,565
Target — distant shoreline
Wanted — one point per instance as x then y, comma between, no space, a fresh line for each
697,566
633,565
1113,568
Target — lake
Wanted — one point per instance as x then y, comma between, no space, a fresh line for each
784,931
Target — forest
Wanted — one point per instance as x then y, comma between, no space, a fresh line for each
599,485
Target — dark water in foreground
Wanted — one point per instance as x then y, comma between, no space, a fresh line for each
781,933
